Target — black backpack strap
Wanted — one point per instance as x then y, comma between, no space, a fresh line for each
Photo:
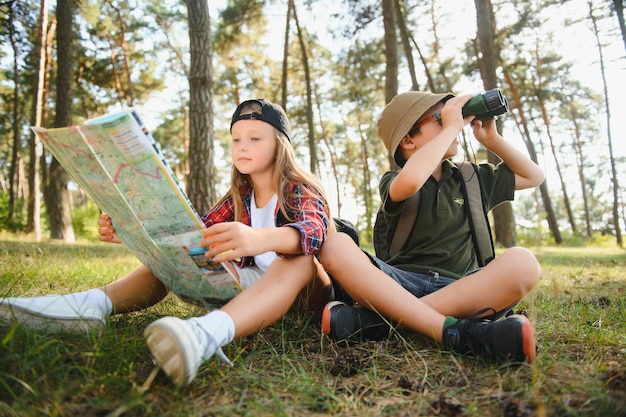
476,213
405,223
347,227
475,210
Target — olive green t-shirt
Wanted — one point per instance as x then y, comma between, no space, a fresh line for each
441,240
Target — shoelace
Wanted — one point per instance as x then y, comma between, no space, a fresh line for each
476,345
202,333
482,312
220,354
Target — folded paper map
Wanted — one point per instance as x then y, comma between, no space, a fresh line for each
115,160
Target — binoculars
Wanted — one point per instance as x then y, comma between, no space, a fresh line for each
486,105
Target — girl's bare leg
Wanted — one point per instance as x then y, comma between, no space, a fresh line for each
269,298
135,291
317,292
180,346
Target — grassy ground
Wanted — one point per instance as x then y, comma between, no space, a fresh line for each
289,369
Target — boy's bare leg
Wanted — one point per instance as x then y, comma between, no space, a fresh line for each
508,340
374,289
501,284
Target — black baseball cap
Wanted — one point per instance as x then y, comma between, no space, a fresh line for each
270,113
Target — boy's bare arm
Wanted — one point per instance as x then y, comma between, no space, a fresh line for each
426,157
527,173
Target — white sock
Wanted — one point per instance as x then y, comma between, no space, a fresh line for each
219,328
95,296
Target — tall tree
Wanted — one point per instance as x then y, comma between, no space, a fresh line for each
391,55
34,212
283,78
405,38
16,158
543,93
201,183
56,193
487,57
313,164
618,5
127,95
607,108
522,125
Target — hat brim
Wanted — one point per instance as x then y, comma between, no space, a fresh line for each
408,108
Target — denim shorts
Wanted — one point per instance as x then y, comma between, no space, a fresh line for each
417,283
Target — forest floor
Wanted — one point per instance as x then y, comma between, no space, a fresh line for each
291,369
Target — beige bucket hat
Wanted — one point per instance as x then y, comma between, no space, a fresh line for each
400,115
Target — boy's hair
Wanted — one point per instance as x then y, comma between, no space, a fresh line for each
399,116
286,169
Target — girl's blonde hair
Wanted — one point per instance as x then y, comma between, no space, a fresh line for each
285,170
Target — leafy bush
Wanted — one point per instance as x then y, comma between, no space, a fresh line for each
18,222
84,221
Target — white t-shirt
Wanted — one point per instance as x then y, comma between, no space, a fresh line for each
259,217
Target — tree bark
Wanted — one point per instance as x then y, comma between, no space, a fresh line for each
201,182
391,56
607,109
406,41
33,224
313,162
543,188
504,220
16,158
619,11
56,193
283,78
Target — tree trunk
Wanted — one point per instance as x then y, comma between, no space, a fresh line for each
34,211
543,188
580,162
619,11
616,219
487,57
127,94
406,41
16,148
283,78
314,165
201,182
56,193
546,121
367,179
391,56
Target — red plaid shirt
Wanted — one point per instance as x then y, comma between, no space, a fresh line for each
310,218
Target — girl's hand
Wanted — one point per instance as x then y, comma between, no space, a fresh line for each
106,230
230,241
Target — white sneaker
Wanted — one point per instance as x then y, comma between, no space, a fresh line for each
179,347
53,312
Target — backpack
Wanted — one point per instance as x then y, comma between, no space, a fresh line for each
475,210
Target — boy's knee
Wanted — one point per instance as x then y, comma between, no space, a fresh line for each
527,265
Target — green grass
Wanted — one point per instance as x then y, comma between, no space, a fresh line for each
289,369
